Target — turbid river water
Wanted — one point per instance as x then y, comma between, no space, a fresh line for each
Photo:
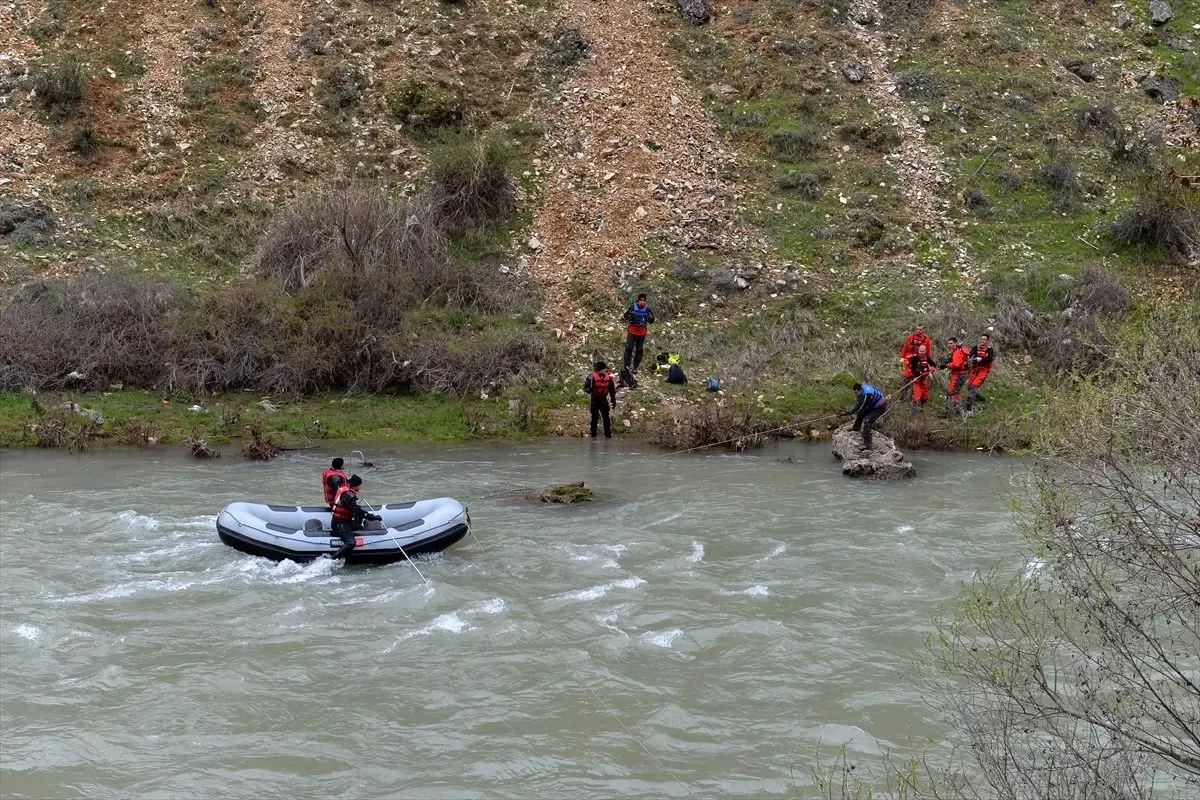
697,634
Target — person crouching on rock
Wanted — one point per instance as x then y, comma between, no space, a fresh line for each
348,515
603,392
331,479
870,406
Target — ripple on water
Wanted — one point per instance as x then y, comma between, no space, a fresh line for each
596,592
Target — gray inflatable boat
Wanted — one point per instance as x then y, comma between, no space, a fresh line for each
302,533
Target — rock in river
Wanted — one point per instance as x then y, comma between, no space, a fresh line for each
881,462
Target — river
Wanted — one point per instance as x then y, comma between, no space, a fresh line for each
696,634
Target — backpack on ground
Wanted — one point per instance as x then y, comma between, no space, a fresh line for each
675,374
712,385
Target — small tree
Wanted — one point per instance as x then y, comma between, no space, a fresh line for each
1080,677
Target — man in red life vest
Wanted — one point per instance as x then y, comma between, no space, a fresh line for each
921,366
348,515
980,360
639,316
603,392
907,351
331,479
956,362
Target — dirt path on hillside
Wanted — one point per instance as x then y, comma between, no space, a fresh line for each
917,163
155,99
632,152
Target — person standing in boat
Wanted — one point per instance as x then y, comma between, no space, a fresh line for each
871,406
331,479
348,515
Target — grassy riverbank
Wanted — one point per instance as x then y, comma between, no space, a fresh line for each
670,416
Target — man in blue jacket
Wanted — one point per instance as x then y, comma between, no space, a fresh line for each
871,406
639,316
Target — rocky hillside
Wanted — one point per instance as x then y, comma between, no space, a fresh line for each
793,182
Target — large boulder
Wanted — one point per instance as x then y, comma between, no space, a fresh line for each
697,12
1160,12
1163,88
881,462
25,221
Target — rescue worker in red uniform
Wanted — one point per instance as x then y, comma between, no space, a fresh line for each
348,515
911,342
956,362
639,316
921,366
980,360
603,392
331,479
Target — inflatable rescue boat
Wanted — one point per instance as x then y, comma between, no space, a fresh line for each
302,533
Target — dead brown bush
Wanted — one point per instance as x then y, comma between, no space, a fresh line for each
136,433
87,333
260,447
710,425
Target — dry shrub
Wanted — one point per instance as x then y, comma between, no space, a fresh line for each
1100,292
924,430
1016,324
59,87
57,429
199,448
1165,214
260,447
471,182
136,433
710,425
462,366
103,327
1062,178
51,431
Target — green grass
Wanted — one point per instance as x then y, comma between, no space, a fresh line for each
224,417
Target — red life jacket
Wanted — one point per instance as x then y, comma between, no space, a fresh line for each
341,511
923,367
958,359
600,383
981,352
329,490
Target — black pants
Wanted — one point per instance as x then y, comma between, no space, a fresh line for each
866,421
599,409
633,349
344,529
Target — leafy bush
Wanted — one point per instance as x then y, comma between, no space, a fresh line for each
806,184
426,108
1165,214
59,88
341,87
793,145
566,47
470,182
975,199
1062,178
880,136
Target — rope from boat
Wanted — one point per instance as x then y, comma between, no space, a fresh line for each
641,744
398,547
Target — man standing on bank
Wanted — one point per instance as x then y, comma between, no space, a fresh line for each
980,360
602,390
639,316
